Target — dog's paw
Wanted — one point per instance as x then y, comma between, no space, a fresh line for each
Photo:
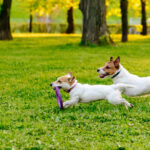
66,104
131,105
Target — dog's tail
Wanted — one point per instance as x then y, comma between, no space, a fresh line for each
122,86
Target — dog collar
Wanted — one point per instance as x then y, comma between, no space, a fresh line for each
68,91
115,75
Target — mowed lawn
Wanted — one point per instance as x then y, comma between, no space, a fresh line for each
29,113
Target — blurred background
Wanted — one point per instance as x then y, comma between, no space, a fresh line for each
50,16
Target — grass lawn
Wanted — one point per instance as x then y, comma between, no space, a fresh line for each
29,114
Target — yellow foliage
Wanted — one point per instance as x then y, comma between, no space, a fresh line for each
113,8
40,11
43,7
138,28
134,7
1,1
113,12
66,4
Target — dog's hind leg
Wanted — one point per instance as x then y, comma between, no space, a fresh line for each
126,104
116,99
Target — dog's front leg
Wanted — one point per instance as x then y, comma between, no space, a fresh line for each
73,101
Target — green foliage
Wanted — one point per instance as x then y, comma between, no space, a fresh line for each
46,7
19,12
1,2
57,10
32,5
29,114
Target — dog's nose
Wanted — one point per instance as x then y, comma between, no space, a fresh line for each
51,84
98,70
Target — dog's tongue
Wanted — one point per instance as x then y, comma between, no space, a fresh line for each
101,75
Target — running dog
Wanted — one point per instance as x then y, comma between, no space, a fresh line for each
119,74
85,93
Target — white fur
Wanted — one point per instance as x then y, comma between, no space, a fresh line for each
102,71
85,93
141,84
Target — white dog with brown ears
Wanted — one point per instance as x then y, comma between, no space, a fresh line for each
119,74
85,93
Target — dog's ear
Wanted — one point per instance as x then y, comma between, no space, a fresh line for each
116,62
69,74
71,79
111,58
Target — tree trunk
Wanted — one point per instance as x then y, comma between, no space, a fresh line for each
70,28
5,31
124,19
143,19
30,21
94,27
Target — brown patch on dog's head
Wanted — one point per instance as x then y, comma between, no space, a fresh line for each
71,80
64,82
110,67
67,79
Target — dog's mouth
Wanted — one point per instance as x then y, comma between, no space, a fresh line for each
54,88
103,75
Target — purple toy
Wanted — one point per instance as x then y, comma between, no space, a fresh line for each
59,98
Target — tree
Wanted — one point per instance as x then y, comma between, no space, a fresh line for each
30,20
70,6
5,31
70,20
124,19
143,19
94,22
134,10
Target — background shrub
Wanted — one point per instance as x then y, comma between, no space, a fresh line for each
61,28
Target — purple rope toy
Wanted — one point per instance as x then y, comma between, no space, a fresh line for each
59,98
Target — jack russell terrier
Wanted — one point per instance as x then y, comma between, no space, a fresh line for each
119,74
85,93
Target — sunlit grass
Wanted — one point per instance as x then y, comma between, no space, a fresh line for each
16,35
29,114
115,37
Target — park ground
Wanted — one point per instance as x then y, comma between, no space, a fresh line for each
29,114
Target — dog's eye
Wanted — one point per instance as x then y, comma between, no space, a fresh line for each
107,67
59,81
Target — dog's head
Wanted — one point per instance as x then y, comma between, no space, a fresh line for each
64,82
109,68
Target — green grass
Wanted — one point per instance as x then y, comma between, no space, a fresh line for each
29,114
